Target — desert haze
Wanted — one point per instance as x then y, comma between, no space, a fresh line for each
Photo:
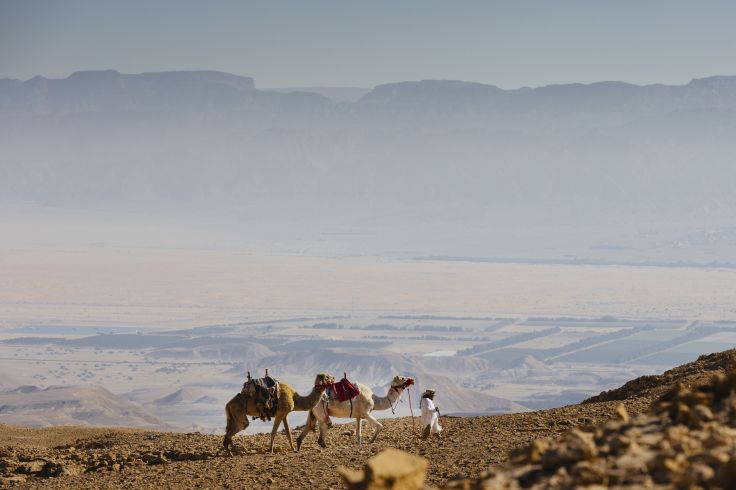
165,234
176,230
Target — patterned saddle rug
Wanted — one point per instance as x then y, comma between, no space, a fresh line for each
265,394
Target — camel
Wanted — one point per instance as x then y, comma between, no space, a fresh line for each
362,406
240,407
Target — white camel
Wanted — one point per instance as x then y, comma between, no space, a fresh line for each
361,408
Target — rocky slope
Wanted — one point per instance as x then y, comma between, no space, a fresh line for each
73,405
686,441
595,436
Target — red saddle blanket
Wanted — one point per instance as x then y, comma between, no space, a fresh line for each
344,390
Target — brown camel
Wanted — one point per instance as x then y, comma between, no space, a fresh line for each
240,407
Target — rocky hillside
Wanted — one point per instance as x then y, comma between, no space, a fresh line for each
692,373
88,405
682,442
686,441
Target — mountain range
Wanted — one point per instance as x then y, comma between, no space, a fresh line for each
109,91
454,149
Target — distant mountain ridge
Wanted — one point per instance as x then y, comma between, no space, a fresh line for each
110,91
90,91
72,405
462,150
336,94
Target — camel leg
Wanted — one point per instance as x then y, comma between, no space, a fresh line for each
236,422
377,426
359,429
322,433
288,432
311,420
276,422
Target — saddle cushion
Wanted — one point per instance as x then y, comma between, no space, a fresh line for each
264,392
344,390
267,382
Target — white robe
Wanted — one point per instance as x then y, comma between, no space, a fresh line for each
429,415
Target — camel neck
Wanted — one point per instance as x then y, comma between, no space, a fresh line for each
305,403
386,402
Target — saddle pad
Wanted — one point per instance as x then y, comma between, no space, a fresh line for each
345,390
267,382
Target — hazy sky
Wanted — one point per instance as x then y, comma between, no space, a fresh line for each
316,42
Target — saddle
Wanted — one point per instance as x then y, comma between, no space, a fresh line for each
265,395
343,390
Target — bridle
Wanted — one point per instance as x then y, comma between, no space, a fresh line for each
402,386
325,384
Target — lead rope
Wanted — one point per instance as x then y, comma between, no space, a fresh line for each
391,405
411,410
325,401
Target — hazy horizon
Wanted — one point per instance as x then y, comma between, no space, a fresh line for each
368,87
327,43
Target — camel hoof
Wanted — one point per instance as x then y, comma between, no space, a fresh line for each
321,443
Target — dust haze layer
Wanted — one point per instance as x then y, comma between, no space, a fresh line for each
448,169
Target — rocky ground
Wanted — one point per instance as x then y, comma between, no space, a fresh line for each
579,443
687,440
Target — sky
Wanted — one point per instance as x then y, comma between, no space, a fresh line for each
349,43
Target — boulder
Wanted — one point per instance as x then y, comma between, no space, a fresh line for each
390,469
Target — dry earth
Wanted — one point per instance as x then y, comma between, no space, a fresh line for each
118,458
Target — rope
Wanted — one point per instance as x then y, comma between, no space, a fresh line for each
411,410
391,405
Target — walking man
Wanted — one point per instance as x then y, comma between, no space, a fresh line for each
430,414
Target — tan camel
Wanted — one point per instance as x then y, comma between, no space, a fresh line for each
361,408
240,407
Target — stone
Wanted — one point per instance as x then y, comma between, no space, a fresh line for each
576,445
31,467
389,469
621,413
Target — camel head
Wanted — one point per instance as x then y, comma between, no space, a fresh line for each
400,382
323,381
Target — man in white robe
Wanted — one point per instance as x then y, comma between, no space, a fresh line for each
430,415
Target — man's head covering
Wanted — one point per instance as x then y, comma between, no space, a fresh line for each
429,391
